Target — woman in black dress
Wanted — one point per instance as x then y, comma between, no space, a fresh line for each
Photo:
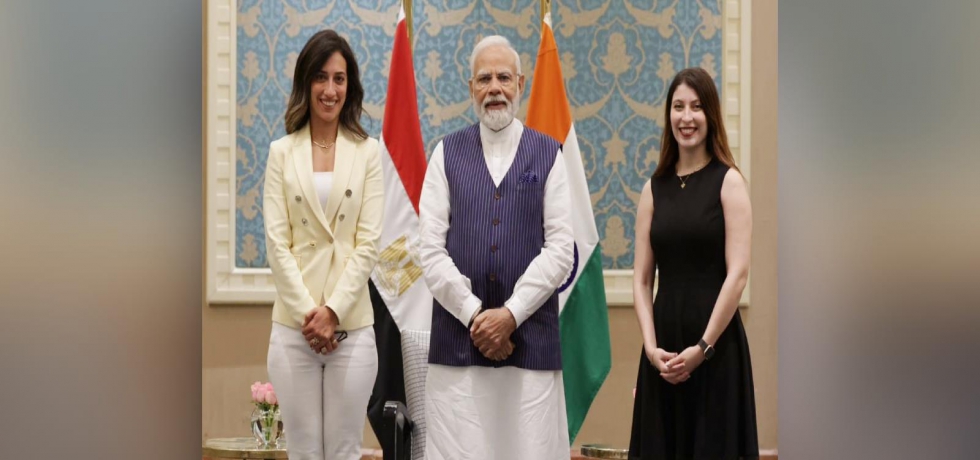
694,393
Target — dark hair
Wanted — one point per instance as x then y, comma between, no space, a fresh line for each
716,140
315,53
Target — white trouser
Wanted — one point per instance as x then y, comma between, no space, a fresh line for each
482,413
323,399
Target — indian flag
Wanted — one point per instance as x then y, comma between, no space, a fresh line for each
584,320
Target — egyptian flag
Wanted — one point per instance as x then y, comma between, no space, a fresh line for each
399,294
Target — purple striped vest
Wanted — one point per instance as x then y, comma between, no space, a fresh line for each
494,234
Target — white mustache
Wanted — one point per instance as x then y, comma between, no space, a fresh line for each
491,99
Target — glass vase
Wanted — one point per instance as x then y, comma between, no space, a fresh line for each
267,427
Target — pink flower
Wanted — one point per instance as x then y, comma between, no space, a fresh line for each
268,394
263,393
255,391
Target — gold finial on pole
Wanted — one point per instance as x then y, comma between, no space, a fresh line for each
545,8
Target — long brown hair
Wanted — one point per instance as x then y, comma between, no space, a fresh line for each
315,53
716,141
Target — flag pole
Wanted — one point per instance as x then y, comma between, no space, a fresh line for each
545,8
407,5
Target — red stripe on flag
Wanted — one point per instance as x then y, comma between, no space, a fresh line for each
401,130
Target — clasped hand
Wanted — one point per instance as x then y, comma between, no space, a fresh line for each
675,368
319,327
491,332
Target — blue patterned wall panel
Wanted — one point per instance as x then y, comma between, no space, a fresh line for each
617,57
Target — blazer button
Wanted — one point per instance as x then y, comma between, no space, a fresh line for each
312,244
493,277
348,193
496,195
305,221
496,221
493,248
341,217
298,198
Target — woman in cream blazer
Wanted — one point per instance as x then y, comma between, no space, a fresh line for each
323,205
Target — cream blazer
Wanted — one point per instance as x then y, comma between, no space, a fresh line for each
323,256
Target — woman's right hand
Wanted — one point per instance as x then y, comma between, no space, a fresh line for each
658,357
319,327
672,374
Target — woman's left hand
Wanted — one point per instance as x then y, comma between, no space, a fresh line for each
691,358
319,327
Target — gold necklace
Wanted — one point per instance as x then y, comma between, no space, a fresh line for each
324,147
685,178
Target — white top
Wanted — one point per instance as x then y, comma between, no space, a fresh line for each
547,271
323,181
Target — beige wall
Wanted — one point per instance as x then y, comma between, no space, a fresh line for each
235,338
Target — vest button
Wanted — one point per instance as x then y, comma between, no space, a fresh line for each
496,195
496,222
493,248
493,277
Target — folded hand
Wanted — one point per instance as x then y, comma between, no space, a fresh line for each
491,331
319,327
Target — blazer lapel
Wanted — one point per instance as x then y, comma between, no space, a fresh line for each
303,162
344,155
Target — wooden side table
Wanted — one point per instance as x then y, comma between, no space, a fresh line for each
601,451
240,448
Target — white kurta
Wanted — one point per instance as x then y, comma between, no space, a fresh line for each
481,412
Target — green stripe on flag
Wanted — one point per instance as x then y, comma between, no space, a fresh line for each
585,349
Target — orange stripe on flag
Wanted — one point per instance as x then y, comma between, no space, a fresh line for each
547,108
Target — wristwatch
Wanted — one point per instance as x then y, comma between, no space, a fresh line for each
708,350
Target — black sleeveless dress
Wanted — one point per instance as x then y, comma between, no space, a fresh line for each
712,414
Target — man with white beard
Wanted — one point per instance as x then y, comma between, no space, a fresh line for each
496,244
